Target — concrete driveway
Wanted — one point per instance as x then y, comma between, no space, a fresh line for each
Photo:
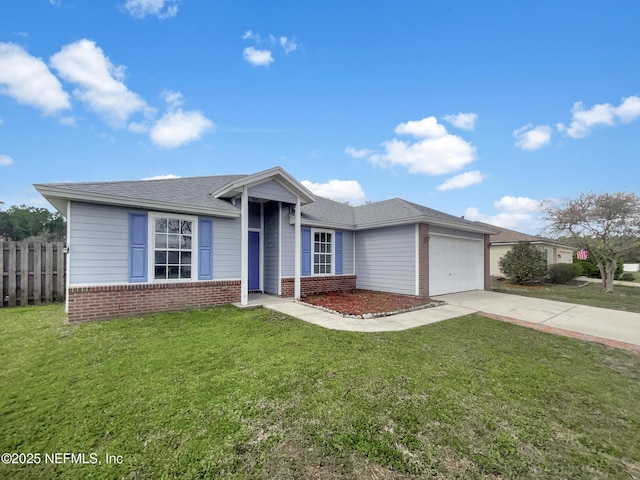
618,327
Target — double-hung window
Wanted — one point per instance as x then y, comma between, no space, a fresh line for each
174,247
322,252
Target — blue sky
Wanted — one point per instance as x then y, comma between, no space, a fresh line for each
481,109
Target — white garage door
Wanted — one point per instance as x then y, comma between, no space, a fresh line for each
455,265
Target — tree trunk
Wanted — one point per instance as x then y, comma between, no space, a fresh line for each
609,273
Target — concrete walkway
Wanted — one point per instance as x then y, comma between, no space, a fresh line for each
615,282
611,327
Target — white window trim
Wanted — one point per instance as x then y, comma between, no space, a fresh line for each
333,252
151,247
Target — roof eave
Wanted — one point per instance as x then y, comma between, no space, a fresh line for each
56,195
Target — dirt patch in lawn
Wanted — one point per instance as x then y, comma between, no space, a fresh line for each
362,302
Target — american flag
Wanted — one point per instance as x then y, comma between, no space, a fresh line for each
582,254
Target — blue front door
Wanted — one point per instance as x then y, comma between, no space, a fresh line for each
254,260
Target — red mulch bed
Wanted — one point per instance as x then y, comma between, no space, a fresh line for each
359,302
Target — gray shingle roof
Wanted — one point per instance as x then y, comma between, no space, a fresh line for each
512,236
194,194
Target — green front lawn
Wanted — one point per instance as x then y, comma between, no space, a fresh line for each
225,393
622,298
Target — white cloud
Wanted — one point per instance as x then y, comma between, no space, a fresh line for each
532,138
465,121
162,177
425,128
28,81
177,128
68,121
249,35
257,57
629,109
173,98
363,152
339,190
463,180
518,213
6,160
100,82
439,154
160,8
584,120
288,45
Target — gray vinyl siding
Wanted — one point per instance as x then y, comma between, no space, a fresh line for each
226,249
385,259
288,241
99,244
347,252
271,261
272,190
455,233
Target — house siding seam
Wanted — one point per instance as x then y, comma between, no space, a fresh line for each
103,302
423,260
317,284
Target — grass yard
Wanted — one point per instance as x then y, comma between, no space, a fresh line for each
622,298
227,393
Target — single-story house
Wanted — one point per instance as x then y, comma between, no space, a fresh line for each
502,242
143,246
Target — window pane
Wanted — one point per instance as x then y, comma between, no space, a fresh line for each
161,257
323,247
328,248
328,238
161,272
316,258
173,272
185,272
186,242
321,268
174,225
174,258
161,240
328,268
316,237
174,241
161,225
185,258
316,247
186,228
316,269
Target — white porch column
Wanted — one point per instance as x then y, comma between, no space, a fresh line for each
244,247
298,253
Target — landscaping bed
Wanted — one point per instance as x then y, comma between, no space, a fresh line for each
365,303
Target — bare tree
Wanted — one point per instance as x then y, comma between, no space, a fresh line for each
606,224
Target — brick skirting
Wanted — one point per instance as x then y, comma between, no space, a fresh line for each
310,285
101,302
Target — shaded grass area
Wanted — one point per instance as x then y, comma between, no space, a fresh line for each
227,393
622,298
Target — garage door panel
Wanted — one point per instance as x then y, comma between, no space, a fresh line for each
455,265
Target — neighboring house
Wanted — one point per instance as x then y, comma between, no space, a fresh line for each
501,243
143,246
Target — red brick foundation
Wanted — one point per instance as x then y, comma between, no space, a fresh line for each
309,285
95,303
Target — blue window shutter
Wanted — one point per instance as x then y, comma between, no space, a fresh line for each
338,253
205,249
306,252
138,247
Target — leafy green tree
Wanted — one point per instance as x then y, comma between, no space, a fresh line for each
607,224
524,263
22,222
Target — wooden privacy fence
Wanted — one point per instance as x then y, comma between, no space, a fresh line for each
32,273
